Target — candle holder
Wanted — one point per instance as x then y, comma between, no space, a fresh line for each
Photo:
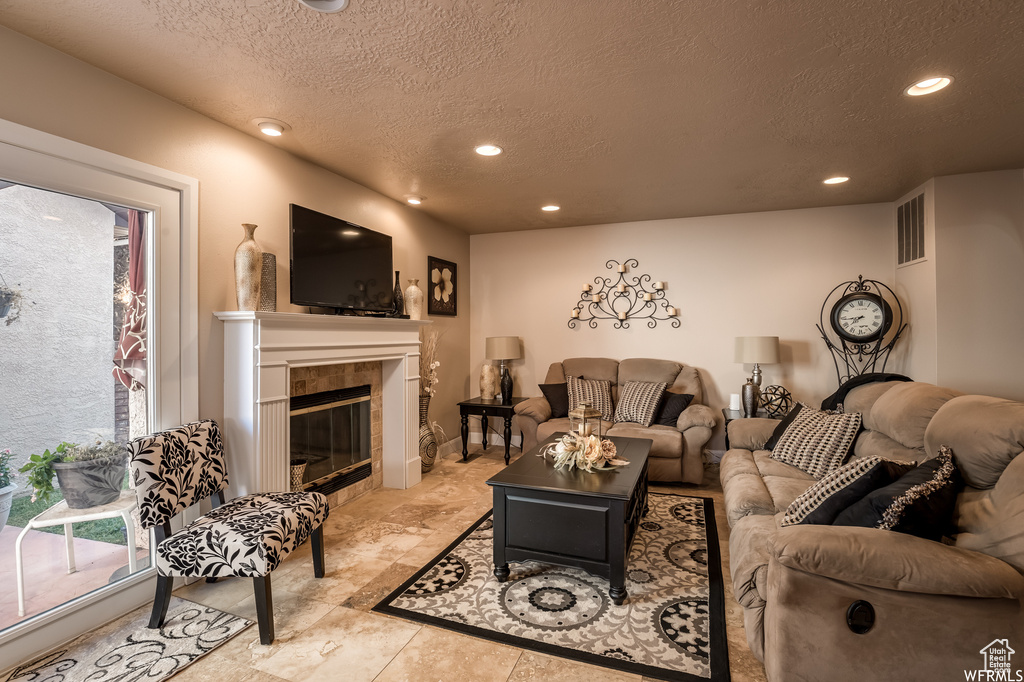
585,420
624,298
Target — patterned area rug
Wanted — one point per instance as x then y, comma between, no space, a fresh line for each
672,626
130,651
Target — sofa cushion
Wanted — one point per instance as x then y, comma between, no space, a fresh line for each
553,426
903,412
766,466
648,369
665,441
670,407
558,398
985,433
595,391
815,441
784,489
875,444
638,402
992,522
605,369
837,490
919,503
747,495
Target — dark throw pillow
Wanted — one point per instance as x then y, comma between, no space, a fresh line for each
817,442
558,398
672,405
919,503
638,401
782,426
850,483
597,391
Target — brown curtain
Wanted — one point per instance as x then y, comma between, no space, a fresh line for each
130,354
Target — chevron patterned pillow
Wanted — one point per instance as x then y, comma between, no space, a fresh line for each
817,442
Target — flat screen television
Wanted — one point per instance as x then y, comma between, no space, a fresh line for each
337,264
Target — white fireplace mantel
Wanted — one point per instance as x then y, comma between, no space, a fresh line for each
259,351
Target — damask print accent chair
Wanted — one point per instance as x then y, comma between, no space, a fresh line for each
246,537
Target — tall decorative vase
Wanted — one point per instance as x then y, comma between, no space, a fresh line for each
749,392
398,299
428,442
488,381
248,264
414,300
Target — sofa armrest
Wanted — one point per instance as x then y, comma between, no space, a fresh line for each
538,409
751,433
894,561
696,415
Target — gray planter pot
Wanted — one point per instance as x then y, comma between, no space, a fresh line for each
91,483
6,497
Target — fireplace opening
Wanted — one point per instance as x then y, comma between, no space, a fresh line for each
330,430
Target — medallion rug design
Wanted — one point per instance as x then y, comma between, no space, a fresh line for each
128,651
672,626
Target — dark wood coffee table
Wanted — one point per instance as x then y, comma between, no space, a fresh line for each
571,518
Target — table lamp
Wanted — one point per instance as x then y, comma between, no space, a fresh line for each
504,348
757,350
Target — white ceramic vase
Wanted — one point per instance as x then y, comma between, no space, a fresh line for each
414,300
248,266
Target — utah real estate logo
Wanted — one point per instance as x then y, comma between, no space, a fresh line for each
996,666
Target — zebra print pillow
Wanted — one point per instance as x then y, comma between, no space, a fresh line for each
638,401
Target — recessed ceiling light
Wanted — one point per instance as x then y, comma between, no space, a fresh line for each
271,126
550,207
837,180
350,233
53,217
928,86
325,6
488,150
414,200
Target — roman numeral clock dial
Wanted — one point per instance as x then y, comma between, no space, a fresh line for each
861,317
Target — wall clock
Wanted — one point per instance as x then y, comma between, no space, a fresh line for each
860,322
861,317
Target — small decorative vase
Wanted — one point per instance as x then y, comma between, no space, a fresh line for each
297,471
428,442
248,263
749,399
414,300
506,385
398,299
268,283
488,381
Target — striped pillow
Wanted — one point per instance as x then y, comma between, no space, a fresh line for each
598,392
839,489
638,401
817,442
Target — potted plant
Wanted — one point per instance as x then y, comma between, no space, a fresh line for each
7,487
88,475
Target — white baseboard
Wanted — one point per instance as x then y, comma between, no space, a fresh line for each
450,446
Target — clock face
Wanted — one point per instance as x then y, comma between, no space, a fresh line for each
861,317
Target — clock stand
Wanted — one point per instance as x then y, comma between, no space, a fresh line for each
863,319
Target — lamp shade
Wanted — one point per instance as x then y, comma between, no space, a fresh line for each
503,348
762,350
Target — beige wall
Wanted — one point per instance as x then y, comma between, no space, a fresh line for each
980,282
242,179
735,275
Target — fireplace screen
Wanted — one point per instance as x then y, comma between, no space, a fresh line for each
331,431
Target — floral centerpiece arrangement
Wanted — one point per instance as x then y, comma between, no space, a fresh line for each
588,453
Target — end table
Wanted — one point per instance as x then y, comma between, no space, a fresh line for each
487,408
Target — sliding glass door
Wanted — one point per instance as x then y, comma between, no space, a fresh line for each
97,324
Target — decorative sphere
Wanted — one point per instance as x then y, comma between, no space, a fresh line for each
776,400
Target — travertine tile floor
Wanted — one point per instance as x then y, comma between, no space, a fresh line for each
325,630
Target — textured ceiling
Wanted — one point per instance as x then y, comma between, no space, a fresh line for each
617,111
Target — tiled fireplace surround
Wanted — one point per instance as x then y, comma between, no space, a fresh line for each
266,355
309,380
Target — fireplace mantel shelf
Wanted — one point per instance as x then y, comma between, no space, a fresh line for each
260,348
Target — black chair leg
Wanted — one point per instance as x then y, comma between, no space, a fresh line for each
164,583
318,551
264,608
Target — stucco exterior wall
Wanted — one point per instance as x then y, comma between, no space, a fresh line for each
55,359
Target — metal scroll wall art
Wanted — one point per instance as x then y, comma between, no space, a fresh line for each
624,298
869,353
